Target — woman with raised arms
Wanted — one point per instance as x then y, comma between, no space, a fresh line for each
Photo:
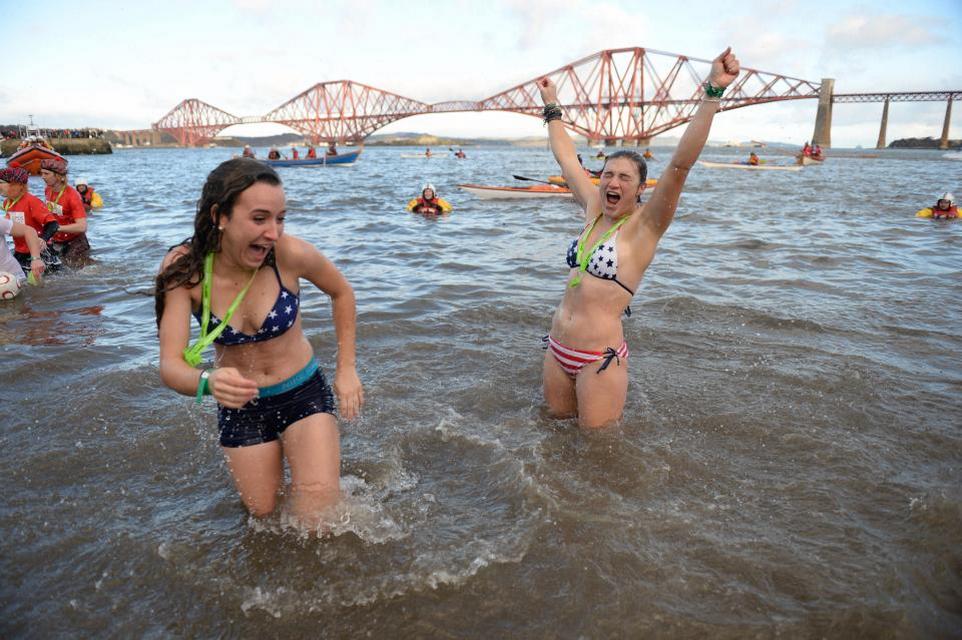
239,276
586,365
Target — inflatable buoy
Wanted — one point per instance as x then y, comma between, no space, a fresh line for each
9,286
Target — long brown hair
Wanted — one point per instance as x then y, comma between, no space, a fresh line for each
223,186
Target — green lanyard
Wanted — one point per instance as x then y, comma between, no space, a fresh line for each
7,205
192,354
584,257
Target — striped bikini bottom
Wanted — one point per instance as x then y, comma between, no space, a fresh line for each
572,360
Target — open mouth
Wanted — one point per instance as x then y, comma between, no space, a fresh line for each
259,251
612,197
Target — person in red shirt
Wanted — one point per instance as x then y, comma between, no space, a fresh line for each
66,204
311,152
25,208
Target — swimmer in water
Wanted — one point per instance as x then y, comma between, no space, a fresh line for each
239,276
586,365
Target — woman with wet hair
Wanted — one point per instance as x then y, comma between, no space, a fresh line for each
239,277
586,364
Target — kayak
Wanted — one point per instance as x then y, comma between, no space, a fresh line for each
560,181
754,167
344,159
539,191
413,156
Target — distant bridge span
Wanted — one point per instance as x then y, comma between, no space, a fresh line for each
627,95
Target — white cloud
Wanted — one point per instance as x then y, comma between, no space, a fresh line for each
609,26
880,31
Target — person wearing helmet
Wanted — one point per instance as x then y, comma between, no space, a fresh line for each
248,152
429,203
945,208
90,198
273,154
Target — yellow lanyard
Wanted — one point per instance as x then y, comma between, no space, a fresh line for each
7,205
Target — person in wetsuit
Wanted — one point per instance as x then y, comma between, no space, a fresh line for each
429,203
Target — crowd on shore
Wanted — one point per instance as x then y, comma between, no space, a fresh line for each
15,132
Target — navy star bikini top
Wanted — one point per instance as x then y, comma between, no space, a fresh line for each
280,318
603,262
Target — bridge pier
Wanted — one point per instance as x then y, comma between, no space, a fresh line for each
944,142
822,136
885,123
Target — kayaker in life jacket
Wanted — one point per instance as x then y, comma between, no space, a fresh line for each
311,152
648,155
945,208
429,203
331,149
807,149
295,154
753,159
817,151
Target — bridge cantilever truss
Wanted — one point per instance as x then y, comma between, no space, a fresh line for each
627,94
194,122
635,94
343,110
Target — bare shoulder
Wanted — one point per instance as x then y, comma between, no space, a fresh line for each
174,255
295,255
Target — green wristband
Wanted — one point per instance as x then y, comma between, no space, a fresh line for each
203,389
713,92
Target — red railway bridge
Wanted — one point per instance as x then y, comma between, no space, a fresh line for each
616,95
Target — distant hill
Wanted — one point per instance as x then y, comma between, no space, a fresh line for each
922,143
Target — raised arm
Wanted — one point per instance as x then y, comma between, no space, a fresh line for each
322,273
660,209
564,152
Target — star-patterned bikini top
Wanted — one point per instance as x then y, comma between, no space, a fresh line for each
278,320
603,262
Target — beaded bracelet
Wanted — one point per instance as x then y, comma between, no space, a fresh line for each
713,92
551,112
